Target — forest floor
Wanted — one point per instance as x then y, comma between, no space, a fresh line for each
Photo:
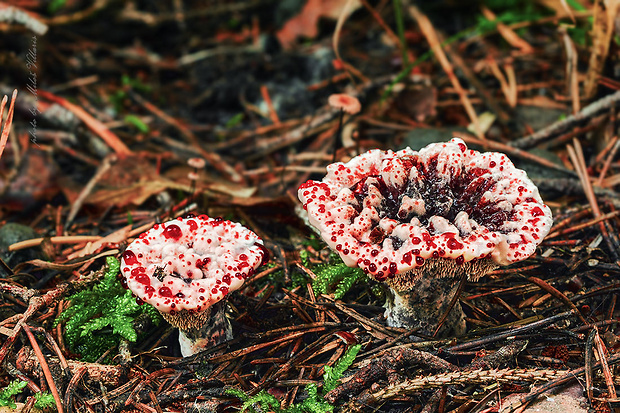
113,99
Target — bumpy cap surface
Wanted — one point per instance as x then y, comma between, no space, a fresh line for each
188,264
389,212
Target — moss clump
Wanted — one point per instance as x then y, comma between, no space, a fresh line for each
100,317
336,277
43,400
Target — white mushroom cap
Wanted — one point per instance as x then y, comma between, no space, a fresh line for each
191,263
197,163
388,212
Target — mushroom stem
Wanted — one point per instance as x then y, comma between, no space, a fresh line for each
421,297
423,306
215,331
338,135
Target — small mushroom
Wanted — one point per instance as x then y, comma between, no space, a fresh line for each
196,163
422,220
344,102
186,267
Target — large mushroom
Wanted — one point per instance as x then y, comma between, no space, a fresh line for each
186,267
423,220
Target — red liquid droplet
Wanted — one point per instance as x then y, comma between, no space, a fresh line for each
200,264
419,260
536,212
130,257
143,279
193,226
454,244
173,231
264,251
407,258
165,292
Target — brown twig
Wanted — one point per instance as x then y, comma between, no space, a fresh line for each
393,360
93,124
560,381
44,366
6,127
564,125
431,36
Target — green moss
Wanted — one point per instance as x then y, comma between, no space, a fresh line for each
6,395
100,317
42,400
45,401
336,277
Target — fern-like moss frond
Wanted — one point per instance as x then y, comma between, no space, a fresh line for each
98,318
336,277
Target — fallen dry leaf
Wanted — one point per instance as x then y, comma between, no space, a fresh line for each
304,24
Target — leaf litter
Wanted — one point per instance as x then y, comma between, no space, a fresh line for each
105,121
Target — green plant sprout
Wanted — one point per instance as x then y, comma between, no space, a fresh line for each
400,26
135,84
314,403
121,94
55,5
511,12
136,122
43,400
235,120
100,317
